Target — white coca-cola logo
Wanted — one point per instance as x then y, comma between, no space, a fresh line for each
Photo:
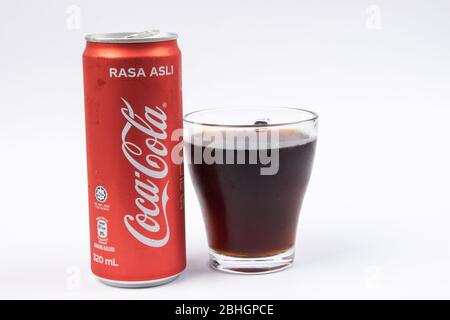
149,164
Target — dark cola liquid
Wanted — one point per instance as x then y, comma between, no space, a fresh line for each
248,214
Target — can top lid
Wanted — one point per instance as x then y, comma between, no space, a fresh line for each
132,37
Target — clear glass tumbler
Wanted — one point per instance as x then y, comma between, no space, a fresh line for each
250,168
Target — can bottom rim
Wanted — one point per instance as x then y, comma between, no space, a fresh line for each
138,284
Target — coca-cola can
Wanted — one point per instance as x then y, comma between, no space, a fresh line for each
133,110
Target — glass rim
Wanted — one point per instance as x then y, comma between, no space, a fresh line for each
313,117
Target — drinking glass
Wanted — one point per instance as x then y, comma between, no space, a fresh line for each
250,168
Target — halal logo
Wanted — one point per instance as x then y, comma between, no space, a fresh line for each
100,194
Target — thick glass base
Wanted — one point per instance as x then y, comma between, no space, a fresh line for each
248,265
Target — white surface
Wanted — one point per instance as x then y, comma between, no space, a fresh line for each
375,220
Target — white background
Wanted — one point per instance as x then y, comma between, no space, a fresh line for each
375,222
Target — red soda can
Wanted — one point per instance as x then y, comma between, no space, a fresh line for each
133,110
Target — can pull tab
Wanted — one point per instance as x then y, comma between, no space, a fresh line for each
143,34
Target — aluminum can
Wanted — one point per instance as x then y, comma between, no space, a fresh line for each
133,113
